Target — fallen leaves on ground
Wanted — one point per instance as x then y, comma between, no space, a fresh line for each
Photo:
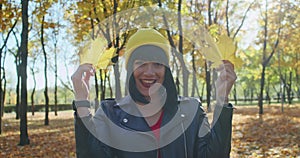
56,140
273,134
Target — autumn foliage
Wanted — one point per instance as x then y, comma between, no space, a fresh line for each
274,134
55,140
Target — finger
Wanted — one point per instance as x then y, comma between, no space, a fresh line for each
79,73
228,76
80,80
227,73
86,68
220,68
228,65
87,74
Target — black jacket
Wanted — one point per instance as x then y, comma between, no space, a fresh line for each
116,132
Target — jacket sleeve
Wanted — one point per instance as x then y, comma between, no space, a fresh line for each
215,141
87,145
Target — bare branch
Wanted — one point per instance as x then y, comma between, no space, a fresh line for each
274,48
243,20
6,39
227,18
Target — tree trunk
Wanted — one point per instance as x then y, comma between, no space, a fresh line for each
284,88
177,82
65,95
235,94
268,98
17,64
33,90
207,71
45,75
102,84
262,79
1,103
266,58
109,85
18,92
245,95
194,75
24,140
213,84
251,95
262,84
208,86
289,89
3,95
4,86
297,78
117,45
185,72
1,115
298,82
55,80
96,99
194,83
117,81
2,106
32,101
1,109
283,94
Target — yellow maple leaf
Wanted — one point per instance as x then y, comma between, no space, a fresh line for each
224,49
210,50
228,49
92,51
105,58
236,61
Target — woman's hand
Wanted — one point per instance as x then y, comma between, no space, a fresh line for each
80,81
225,81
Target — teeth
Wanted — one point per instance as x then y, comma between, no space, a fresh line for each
149,81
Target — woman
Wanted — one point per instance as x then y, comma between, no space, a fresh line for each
152,121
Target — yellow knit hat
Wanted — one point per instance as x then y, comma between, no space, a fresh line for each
146,36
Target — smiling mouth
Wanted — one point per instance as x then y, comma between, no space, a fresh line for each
148,83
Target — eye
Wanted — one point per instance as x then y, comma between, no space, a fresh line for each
138,63
158,64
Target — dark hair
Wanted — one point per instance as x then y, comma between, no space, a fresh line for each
156,54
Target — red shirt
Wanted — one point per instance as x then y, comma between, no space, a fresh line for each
155,129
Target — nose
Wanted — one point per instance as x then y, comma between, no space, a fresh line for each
149,69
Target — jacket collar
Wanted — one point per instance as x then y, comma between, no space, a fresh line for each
130,117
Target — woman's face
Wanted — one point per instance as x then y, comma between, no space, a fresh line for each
146,74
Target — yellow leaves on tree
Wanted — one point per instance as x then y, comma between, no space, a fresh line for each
8,14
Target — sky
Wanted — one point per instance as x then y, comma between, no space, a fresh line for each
65,66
